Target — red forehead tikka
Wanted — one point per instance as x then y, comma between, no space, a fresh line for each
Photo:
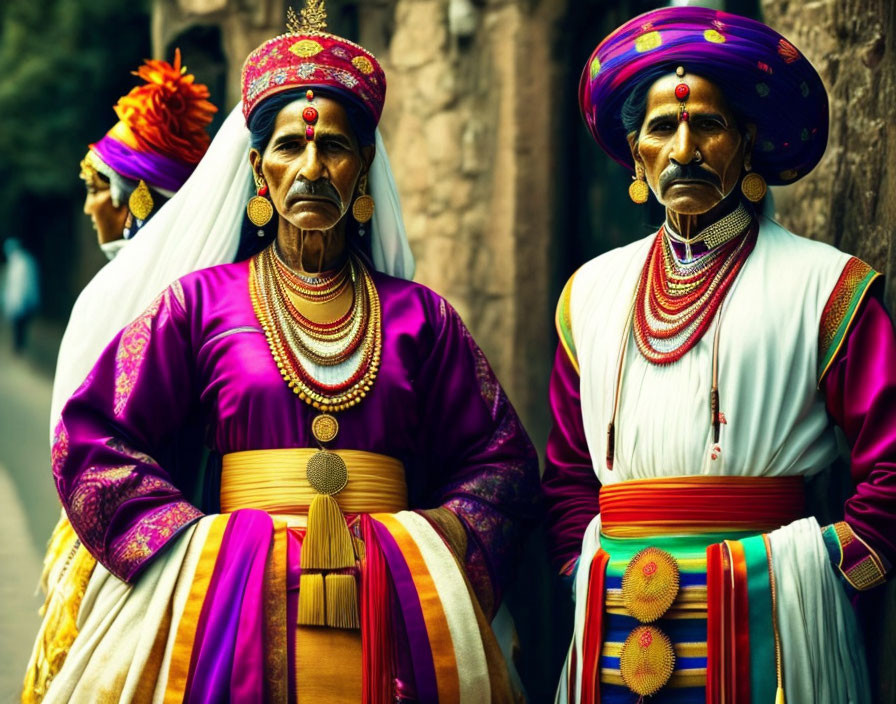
309,115
682,92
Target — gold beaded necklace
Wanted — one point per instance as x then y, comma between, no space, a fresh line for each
297,345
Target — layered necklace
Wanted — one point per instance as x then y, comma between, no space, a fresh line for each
331,366
676,300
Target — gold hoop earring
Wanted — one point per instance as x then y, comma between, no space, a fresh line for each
362,208
140,202
753,186
259,209
638,191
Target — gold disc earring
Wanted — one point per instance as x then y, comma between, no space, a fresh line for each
362,208
638,191
753,186
259,209
140,203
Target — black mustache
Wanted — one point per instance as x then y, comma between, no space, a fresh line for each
687,172
314,189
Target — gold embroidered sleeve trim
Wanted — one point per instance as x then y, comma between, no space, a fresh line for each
840,311
861,571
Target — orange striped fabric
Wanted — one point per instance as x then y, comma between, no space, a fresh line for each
444,659
699,504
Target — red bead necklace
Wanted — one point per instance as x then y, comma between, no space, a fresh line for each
675,302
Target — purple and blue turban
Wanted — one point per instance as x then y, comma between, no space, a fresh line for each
776,87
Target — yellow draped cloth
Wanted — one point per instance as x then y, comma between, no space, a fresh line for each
328,660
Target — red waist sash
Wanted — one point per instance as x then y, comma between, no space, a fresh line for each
700,505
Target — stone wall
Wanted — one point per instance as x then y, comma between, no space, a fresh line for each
243,25
848,200
471,145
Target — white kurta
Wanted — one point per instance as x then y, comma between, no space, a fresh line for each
776,420
776,425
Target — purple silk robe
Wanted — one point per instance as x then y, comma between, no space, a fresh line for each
198,359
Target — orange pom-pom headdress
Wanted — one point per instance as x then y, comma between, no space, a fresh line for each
160,136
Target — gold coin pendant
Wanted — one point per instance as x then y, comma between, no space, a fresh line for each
325,428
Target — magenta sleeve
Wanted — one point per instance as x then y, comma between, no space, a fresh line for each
570,485
110,447
860,393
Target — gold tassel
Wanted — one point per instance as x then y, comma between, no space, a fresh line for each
342,601
328,542
779,696
311,600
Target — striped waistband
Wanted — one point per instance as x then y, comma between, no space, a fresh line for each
700,505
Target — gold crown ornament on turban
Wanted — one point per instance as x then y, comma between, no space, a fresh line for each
309,57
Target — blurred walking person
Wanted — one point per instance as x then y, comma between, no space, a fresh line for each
21,291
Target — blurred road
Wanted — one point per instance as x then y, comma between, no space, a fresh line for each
28,507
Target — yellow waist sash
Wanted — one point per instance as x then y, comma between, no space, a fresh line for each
315,488
275,481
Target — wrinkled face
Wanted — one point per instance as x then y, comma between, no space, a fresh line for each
311,182
108,219
690,165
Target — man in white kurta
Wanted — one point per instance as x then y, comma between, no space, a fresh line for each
701,375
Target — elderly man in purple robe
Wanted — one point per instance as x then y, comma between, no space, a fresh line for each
354,532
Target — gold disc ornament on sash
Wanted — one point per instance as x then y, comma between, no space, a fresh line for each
650,584
646,660
352,344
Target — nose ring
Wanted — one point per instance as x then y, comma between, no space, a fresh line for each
698,157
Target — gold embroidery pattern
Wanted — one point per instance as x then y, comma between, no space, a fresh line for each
149,534
59,453
132,346
865,574
869,571
841,305
97,495
363,64
276,658
844,533
122,448
100,493
306,48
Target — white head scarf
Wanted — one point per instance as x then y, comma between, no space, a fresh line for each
198,228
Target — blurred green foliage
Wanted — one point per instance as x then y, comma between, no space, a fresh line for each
63,64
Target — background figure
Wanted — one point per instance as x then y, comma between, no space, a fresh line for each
129,173
148,154
21,291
